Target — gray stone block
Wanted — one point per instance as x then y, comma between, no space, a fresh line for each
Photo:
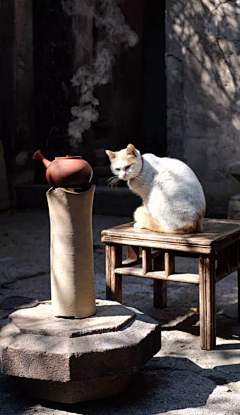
234,170
202,68
234,207
73,360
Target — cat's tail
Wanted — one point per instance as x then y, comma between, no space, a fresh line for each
146,221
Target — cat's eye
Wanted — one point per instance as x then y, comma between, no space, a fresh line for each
117,169
127,167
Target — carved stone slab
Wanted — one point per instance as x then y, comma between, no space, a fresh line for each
73,360
40,321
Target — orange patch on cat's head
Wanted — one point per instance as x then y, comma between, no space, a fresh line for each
131,154
128,155
129,160
131,150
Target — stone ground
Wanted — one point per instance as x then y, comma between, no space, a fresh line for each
180,380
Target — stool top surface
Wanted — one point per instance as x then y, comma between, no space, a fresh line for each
217,234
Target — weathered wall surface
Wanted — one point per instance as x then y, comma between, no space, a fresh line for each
203,92
16,86
4,194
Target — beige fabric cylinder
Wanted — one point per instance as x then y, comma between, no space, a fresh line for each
72,267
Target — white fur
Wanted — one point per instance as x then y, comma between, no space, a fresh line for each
169,189
121,164
138,225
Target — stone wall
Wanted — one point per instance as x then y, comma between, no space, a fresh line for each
203,94
4,194
16,86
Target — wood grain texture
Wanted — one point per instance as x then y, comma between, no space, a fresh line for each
108,268
159,286
113,280
217,234
207,302
218,251
169,263
158,275
223,265
146,260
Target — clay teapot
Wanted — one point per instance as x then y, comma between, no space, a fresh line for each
69,171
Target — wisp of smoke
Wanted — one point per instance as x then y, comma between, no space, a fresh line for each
112,32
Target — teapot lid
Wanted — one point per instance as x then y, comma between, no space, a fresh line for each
69,157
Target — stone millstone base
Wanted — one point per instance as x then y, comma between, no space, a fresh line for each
74,360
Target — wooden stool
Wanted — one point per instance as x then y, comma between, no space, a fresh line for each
217,249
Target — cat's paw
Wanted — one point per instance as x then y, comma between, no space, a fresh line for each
138,225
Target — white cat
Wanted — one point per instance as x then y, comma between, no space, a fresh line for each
173,198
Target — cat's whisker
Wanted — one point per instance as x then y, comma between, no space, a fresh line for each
172,195
112,181
109,179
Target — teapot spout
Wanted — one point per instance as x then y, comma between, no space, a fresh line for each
38,156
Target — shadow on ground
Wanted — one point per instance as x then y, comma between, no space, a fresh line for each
156,389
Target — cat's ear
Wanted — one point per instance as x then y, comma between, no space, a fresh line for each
110,154
131,150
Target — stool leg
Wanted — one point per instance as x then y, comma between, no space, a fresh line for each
146,260
159,286
207,307
169,263
113,281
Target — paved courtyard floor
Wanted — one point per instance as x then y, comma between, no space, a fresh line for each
180,380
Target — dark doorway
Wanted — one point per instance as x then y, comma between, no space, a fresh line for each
154,93
132,107
53,68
